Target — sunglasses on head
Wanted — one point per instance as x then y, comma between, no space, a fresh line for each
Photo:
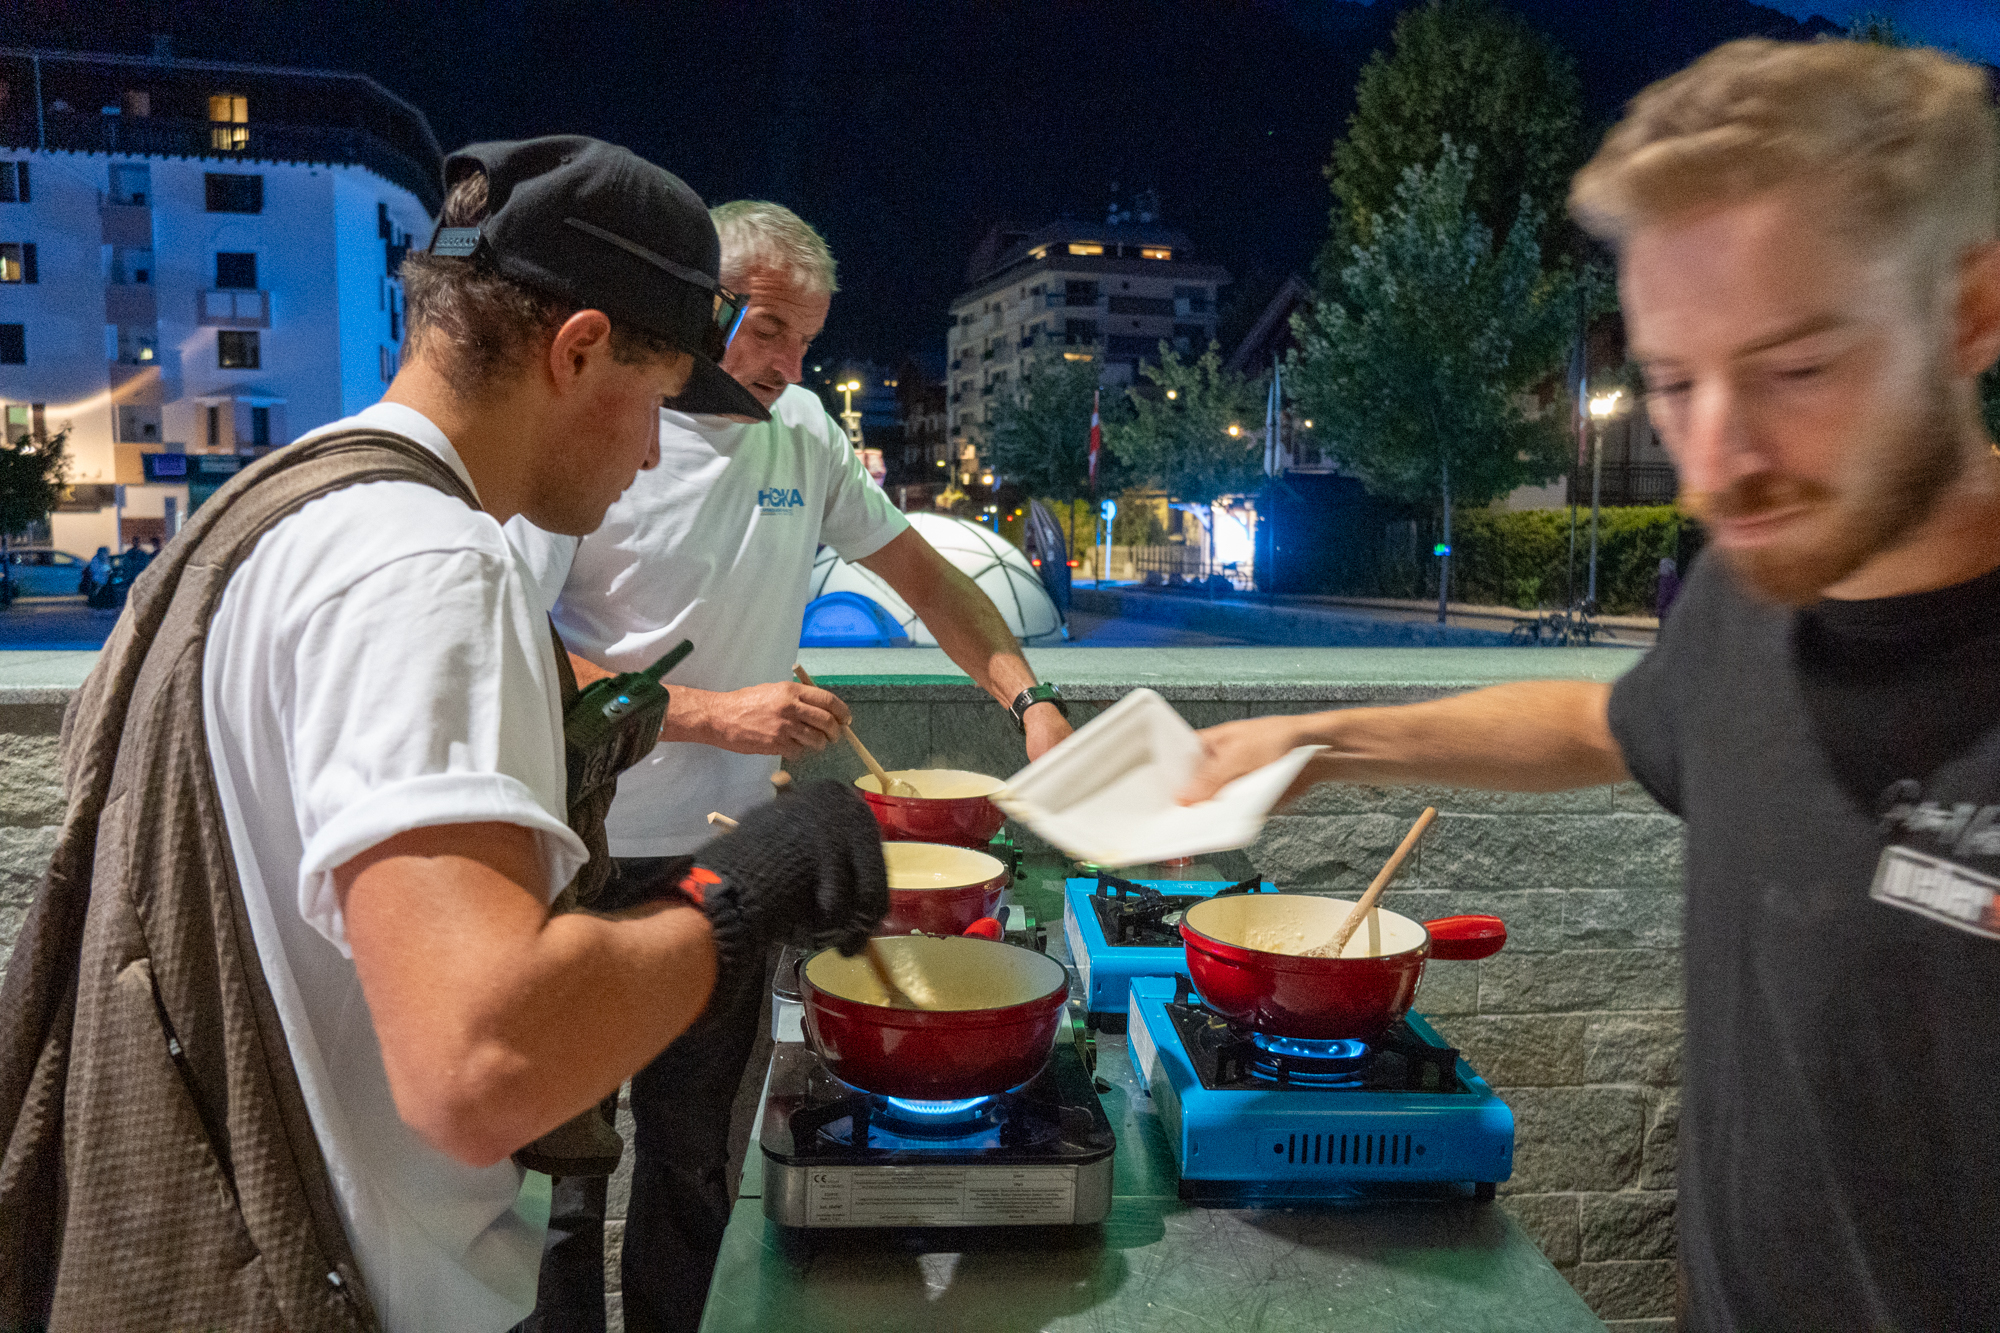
729,310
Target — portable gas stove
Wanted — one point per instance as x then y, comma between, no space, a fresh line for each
1118,929
835,1156
1252,1117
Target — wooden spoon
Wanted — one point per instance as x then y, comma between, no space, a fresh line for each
1332,948
887,785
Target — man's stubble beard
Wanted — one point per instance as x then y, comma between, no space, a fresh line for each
1896,484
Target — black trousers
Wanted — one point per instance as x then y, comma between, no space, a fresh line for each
680,1202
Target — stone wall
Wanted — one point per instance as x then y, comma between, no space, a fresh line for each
1576,1023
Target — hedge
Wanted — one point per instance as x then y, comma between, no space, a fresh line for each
1522,558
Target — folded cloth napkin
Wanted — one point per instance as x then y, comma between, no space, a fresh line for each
1106,794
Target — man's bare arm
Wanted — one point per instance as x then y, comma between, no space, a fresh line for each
968,627
783,718
497,1021
1542,735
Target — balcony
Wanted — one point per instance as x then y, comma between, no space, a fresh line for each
128,226
1142,305
161,136
131,305
232,308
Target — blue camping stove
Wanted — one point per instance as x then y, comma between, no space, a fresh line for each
1118,929
1256,1118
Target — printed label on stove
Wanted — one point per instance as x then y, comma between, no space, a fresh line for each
1939,889
1079,957
937,1196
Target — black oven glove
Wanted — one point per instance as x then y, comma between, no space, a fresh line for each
806,869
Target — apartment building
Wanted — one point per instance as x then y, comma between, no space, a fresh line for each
1108,294
198,262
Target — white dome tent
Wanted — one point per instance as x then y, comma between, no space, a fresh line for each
989,559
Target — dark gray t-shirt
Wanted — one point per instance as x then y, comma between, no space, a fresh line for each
1839,772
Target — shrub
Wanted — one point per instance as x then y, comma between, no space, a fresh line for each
1522,558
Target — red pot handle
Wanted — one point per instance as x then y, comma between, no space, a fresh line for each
986,928
1462,939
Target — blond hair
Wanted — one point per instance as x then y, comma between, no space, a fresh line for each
1904,138
758,234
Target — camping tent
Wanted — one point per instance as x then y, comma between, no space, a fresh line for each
989,559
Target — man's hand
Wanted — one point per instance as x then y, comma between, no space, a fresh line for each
1235,748
785,718
1046,727
806,868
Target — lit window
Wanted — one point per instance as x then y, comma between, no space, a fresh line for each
229,122
1085,248
10,263
1155,252
1076,356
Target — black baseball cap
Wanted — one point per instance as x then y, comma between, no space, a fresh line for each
604,229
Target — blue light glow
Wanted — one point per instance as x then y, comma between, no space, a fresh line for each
937,1110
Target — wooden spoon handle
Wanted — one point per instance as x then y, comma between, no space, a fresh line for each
881,967
881,777
717,817
1382,878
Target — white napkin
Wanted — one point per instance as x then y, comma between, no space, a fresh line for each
1106,794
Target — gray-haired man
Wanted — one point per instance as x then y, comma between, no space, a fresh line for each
716,545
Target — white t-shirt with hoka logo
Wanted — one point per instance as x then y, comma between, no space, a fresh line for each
714,545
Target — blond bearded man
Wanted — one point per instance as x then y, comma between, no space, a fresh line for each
1811,284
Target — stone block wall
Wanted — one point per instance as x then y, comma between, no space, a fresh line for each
31,808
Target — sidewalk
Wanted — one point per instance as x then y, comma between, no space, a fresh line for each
1312,621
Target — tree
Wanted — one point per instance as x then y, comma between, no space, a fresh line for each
1182,437
1039,438
31,479
1422,374
1466,70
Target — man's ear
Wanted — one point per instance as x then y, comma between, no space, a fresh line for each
582,337
1976,339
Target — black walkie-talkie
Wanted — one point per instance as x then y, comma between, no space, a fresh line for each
608,706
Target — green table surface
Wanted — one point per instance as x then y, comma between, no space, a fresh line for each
1155,1264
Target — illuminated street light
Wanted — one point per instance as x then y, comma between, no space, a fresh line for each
850,418
1173,394
1309,423
1234,430
1602,408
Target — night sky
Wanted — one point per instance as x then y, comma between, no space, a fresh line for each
904,130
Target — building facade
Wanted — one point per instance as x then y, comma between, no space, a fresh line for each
1109,293
198,261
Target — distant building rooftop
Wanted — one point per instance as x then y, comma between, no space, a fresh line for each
1007,247
163,106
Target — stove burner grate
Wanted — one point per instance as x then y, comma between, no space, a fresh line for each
1138,914
865,1121
1227,1056
1310,1064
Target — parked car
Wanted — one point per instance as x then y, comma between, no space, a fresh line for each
40,571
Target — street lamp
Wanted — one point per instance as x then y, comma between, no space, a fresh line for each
1603,408
848,416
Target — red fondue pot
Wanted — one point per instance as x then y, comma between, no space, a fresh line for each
937,889
950,806
1237,959
999,1008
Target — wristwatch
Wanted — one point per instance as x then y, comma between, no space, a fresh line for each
1036,694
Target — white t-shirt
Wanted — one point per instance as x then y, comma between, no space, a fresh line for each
716,545
380,663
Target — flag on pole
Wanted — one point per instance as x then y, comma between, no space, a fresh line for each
1096,436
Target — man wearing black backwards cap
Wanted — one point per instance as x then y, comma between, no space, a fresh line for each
379,692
